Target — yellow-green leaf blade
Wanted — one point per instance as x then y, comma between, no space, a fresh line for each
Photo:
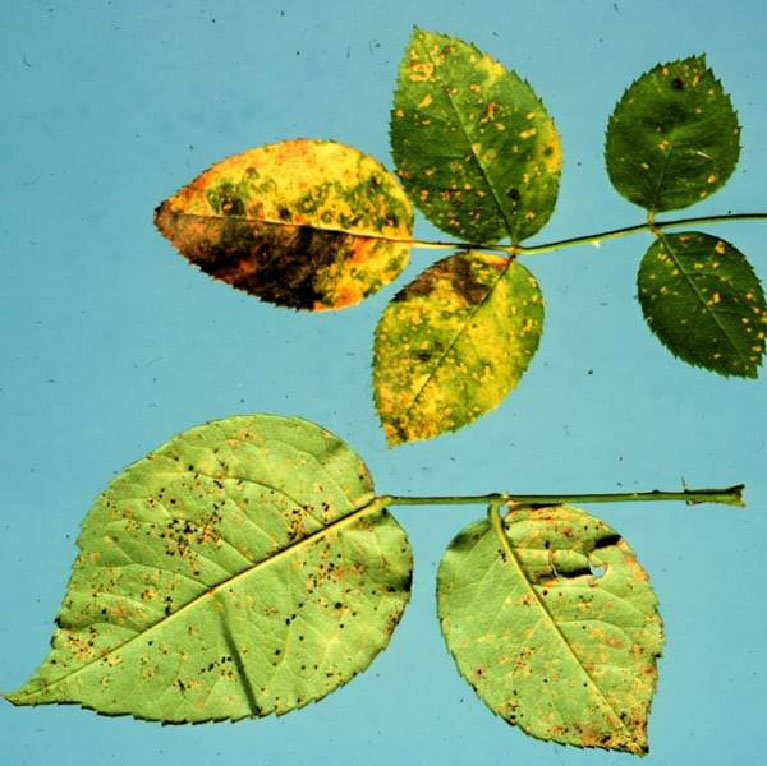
238,570
452,344
548,645
673,138
472,142
304,223
704,302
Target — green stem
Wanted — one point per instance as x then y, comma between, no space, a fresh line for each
649,225
726,496
594,239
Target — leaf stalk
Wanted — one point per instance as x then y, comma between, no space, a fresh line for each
732,496
585,239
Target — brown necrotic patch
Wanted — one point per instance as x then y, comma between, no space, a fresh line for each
279,264
455,271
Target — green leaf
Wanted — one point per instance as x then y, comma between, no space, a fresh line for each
564,652
452,344
472,142
239,570
306,223
701,298
673,138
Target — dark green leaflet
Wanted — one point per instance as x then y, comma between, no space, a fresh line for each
673,138
473,145
701,297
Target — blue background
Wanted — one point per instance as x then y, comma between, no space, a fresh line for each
112,343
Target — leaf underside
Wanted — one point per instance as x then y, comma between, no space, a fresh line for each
566,654
453,343
701,298
472,143
234,572
673,138
304,223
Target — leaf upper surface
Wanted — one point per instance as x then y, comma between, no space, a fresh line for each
549,646
453,343
701,298
236,571
673,138
472,142
304,223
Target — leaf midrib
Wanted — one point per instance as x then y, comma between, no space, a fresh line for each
701,299
470,317
482,169
361,233
662,176
511,556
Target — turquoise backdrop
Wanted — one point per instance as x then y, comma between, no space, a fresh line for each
111,343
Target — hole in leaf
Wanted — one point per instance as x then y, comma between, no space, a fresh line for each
597,570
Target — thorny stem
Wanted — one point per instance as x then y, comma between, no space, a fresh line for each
594,239
726,496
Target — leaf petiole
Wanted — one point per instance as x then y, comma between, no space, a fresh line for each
725,496
585,239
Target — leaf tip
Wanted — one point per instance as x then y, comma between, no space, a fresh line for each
13,697
160,217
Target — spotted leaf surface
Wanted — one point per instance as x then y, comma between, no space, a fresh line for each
553,622
453,344
236,571
701,298
673,138
472,142
308,224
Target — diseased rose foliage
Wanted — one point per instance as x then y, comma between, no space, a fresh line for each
553,622
309,224
238,570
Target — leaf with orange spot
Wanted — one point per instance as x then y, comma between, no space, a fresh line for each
674,137
309,224
452,344
552,620
241,569
704,302
472,142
